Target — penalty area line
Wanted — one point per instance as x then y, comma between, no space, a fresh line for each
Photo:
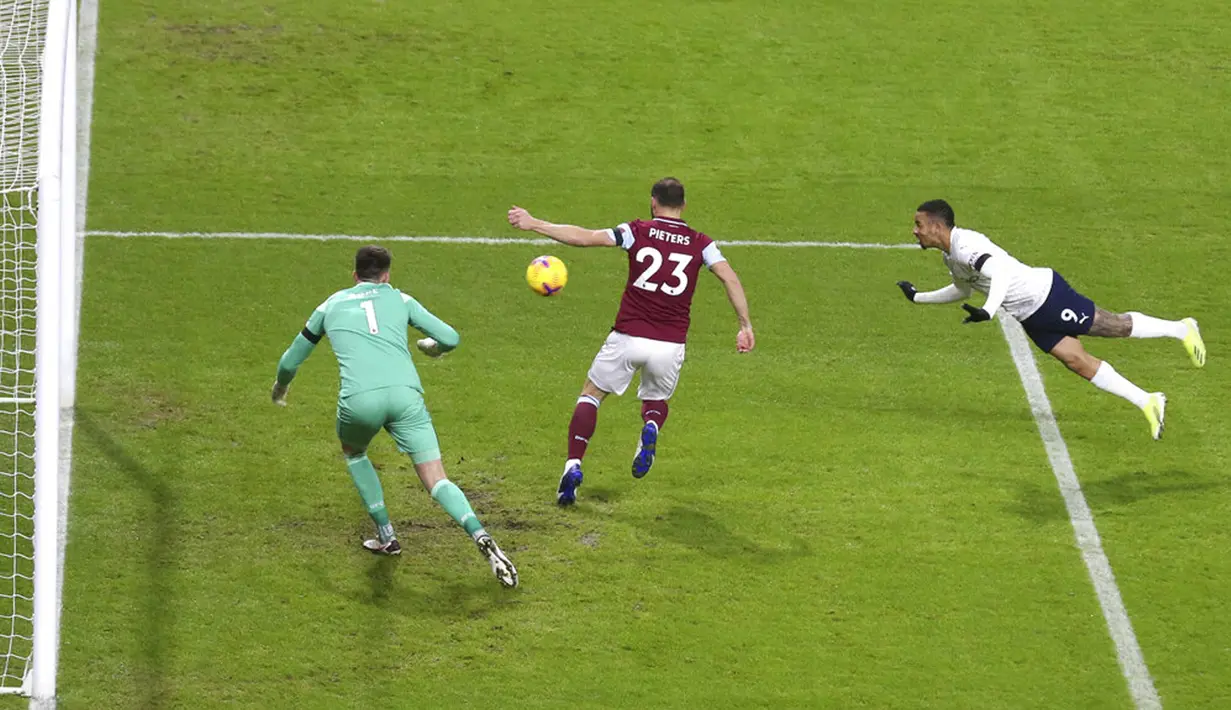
1128,651
495,241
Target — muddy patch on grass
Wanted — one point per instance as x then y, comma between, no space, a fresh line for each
155,410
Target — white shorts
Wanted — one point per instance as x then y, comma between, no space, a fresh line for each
623,355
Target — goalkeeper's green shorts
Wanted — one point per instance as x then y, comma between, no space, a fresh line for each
398,410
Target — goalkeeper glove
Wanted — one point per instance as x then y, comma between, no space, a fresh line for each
278,394
430,347
977,315
908,290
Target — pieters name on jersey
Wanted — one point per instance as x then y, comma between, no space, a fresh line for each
672,237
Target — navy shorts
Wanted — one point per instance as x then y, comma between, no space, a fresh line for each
1065,312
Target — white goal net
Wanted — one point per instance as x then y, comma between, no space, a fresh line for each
23,30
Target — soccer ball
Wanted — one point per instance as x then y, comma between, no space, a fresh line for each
546,275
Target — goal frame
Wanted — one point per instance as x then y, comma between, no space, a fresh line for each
56,331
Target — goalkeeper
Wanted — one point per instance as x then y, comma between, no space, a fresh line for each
366,325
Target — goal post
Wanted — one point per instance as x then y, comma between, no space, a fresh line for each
38,328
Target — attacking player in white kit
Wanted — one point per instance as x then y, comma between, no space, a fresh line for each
664,258
1050,311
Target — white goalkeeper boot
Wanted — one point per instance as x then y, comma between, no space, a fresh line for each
393,547
502,566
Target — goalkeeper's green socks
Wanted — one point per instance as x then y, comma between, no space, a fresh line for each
368,484
451,498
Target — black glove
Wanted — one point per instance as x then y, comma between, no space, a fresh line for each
977,315
908,290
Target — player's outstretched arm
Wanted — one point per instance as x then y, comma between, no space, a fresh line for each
564,233
997,290
301,347
745,341
948,294
441,337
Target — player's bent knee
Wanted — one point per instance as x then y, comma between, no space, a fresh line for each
1071,360
589,389
430,472
1083,364
1070,352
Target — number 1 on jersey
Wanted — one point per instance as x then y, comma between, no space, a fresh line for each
370,308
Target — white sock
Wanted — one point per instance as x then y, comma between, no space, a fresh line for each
570,463
1150,327
1109,380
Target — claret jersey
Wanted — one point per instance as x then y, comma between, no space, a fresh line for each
665,257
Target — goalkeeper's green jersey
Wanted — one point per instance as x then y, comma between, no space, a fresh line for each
366,325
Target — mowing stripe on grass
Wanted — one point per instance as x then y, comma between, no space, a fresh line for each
460,240
1128,651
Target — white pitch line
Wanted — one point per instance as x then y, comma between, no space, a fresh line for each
87,47
458,240
806,245
1128,651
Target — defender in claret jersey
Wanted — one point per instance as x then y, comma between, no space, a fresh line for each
1052,313
665,256
366,325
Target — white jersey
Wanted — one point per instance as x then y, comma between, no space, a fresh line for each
1028,286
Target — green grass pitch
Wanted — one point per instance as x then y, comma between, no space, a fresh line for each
860,514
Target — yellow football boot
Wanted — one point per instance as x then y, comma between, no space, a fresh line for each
1193,343
1154,410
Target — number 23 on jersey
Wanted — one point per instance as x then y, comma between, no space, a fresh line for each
674,283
